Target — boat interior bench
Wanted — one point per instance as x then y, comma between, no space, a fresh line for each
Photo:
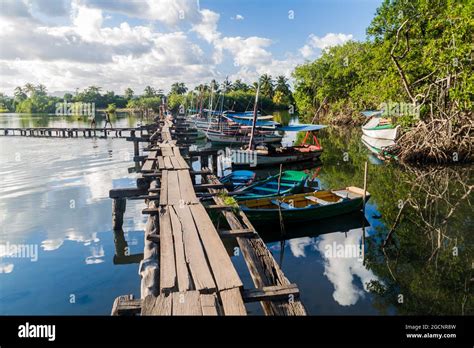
317,200
282,204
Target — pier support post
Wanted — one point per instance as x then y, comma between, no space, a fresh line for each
205,161
118,209
214,163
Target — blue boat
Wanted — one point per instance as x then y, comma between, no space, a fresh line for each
238,179
291,182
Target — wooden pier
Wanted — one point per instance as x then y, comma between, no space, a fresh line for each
186,269
75,132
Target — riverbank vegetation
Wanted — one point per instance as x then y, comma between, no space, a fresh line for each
275,94
417,53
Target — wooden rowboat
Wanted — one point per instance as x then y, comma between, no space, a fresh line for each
291,182
238,179
304,206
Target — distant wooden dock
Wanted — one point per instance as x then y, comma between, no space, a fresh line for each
186,269
72,132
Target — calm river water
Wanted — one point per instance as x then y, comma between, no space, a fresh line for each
54,199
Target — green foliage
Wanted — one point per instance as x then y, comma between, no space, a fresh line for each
178,88
434,44
175,100
128,93
111,108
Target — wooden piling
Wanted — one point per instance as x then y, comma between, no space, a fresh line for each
118,209
365,185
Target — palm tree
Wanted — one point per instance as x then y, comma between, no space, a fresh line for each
178,88
226,85
40,89
128,93
282,85
29,89
266,85
19,94
149,91
240,86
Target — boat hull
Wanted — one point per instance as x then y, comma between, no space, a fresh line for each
290,183
231,139
308,213
266,161
384,133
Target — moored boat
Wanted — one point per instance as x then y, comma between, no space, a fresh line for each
263,156
379,147
304,206
238,179
240,138
380,128
291,182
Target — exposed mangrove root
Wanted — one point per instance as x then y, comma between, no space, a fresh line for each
443,140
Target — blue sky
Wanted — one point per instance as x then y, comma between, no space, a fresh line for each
68,44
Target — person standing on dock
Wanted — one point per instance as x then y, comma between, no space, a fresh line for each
93,124
107,120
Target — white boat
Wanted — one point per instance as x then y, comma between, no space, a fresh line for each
377,145
380,128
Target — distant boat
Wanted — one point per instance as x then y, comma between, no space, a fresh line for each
263,156
304,206
380,128
237,137
291,182
238,179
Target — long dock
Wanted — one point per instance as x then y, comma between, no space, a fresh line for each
72,132
186,268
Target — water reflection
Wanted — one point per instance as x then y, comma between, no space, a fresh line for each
54,195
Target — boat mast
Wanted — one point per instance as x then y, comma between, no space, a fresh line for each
209,117
200,101
254,121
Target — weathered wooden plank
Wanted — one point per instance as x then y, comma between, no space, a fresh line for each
184,278
186,303
222,268
174,194
186,187
182,162
209,305
126,192
161,305
195,256
205,187
149,269
232,302
167,151
277,292
175,163
168,164
246,232
126,305
161,162
148,166
176,152
167,259
164,188
220,207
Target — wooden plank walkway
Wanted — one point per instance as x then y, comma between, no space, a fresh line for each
73,132
186,269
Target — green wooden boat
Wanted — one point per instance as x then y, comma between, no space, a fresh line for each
304,206
292,181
